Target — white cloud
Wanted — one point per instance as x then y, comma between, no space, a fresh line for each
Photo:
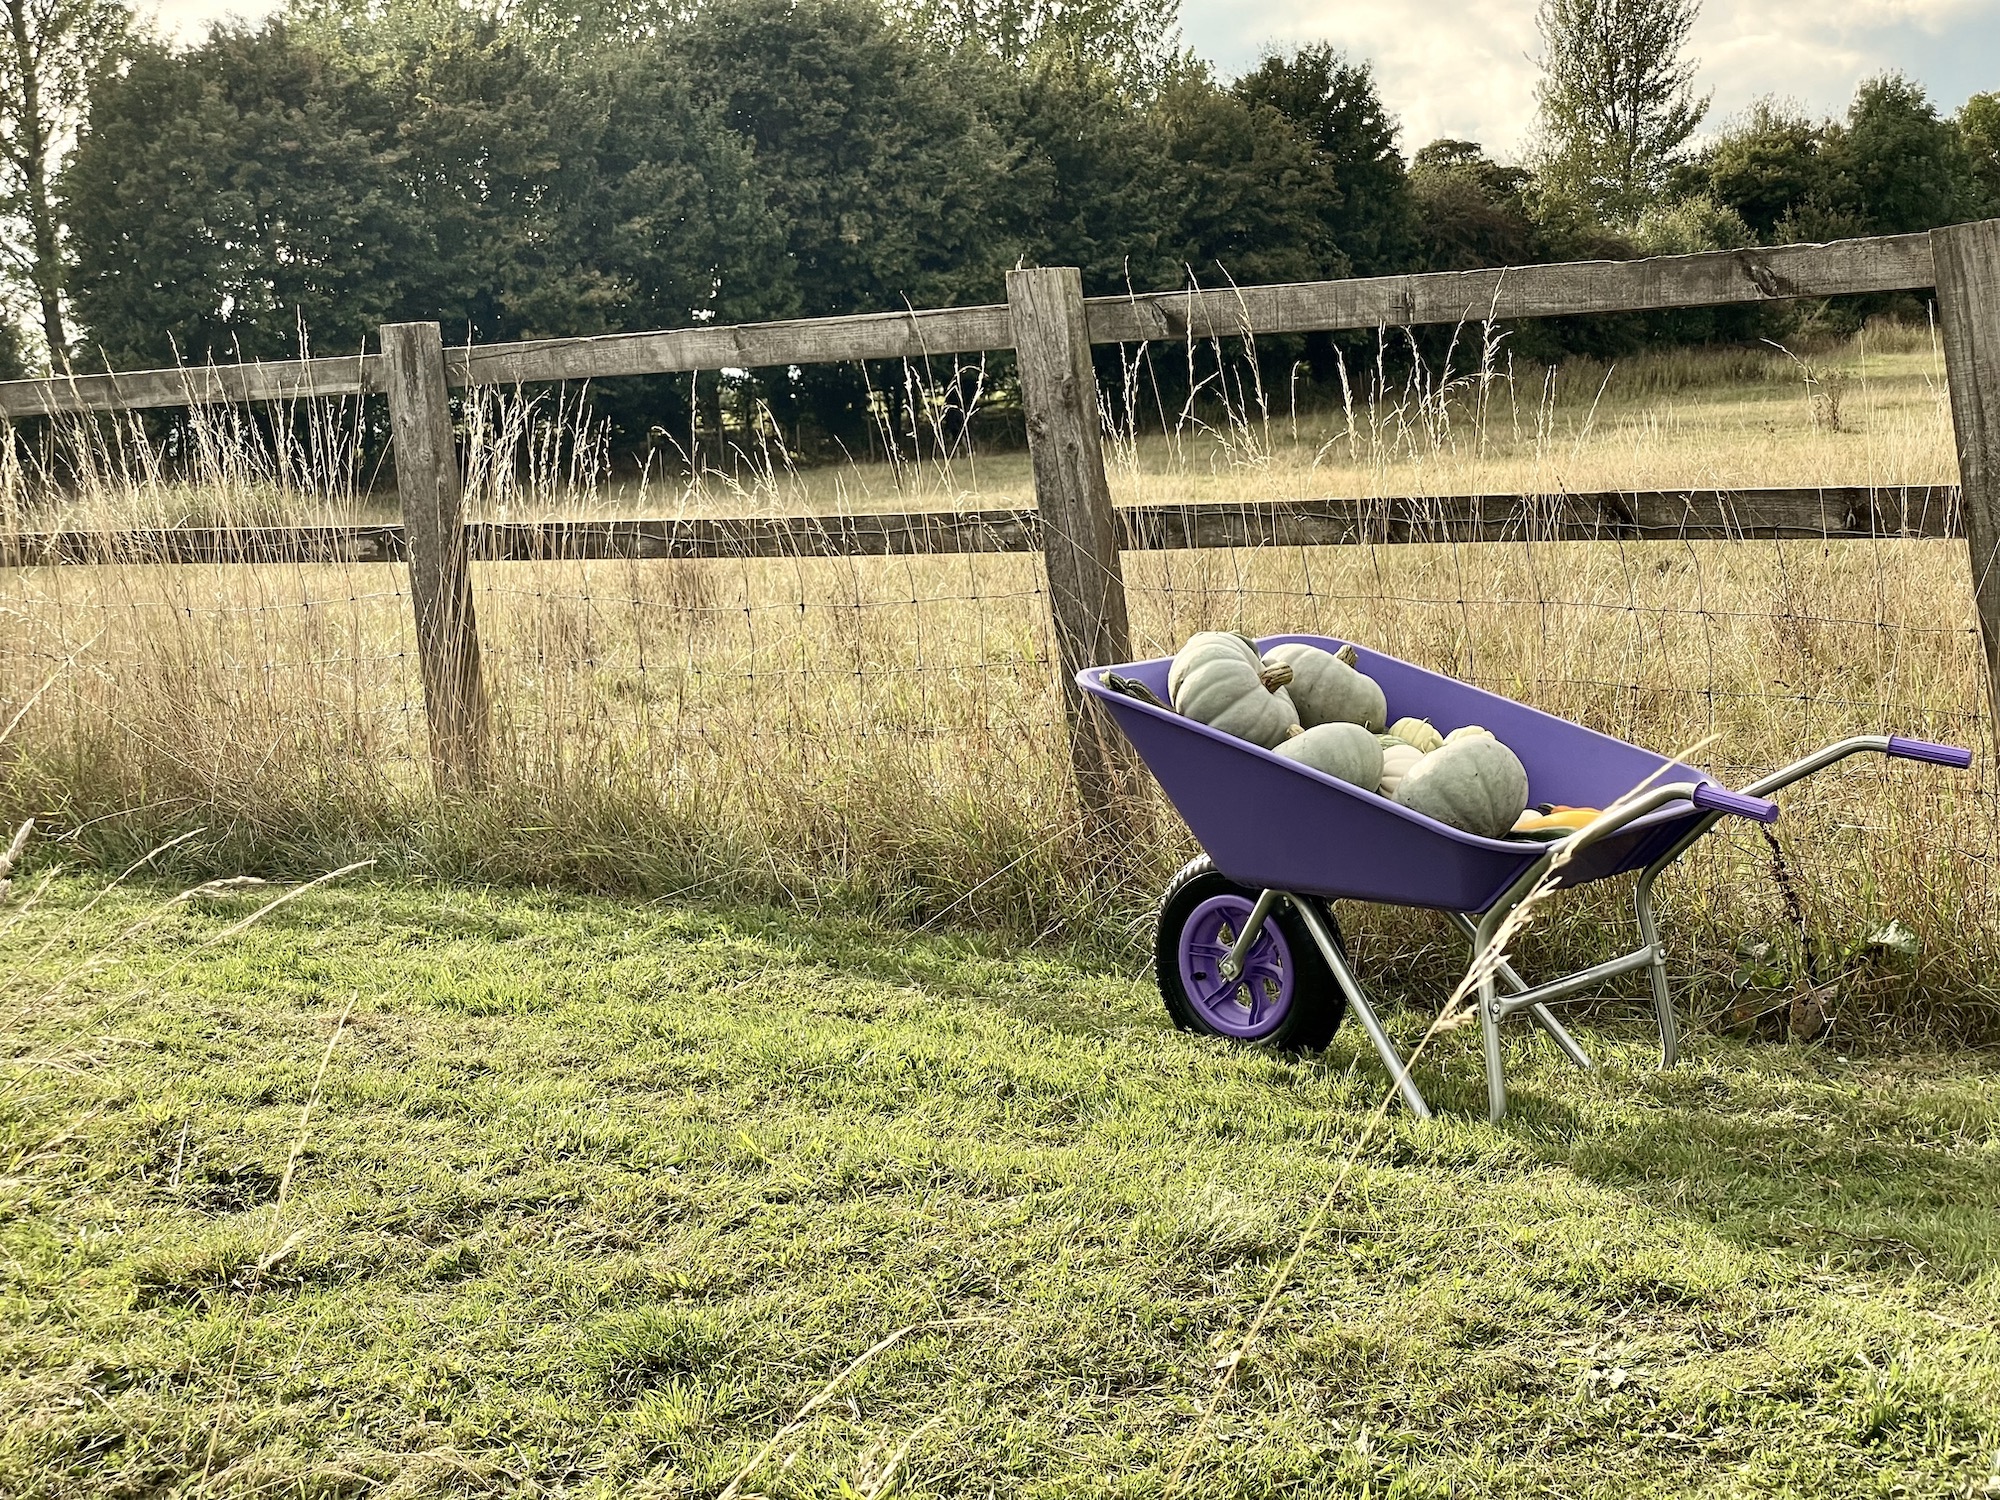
189,19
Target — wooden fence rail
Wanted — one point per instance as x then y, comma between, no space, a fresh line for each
1714,278
1050,325
1839,513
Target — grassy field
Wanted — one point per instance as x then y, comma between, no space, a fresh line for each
881,735
1870,410
416,1189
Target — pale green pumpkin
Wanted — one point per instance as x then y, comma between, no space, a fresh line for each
1238,694
1418,733
1346,752
1328,690
1477,786
1398,756
1201,646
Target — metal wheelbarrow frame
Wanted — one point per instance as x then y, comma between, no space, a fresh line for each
1303,839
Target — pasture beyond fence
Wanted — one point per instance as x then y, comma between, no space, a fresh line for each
1083,541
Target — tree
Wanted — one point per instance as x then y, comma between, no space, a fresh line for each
872,151
221,196
1471,211
1332,103
1617,100
1086,183
51,55
1896,168
881,168
1250,200
1766,168
227,195
13,360
1138,42
1979,132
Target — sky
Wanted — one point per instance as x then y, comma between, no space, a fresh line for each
1464,67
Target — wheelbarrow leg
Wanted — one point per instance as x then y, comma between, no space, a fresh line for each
1663,1000
1540,1014
1358,998
1496,1063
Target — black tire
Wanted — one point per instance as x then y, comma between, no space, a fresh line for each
1317,1002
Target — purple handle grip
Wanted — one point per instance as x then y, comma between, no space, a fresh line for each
1937,755
1712,798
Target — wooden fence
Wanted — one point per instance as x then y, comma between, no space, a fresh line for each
1051,326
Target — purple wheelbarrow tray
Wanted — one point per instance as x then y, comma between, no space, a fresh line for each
1283,829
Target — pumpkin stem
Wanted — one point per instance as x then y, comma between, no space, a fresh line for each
1346,654
1276,675
1292,732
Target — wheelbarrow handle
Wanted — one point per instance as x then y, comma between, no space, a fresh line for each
1924,750
1719,799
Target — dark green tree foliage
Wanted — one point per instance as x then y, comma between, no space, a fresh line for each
1332,103
882,171
1086,183
13,359
1251,200
871,152
672,205
1891,167
1979,133
1896,167
1470,210
1767,168
220,197
223,197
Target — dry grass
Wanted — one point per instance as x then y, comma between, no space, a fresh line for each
884,730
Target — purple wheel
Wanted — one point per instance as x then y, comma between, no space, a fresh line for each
1255,1003
1285,996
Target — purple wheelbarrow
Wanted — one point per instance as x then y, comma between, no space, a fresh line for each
1247,946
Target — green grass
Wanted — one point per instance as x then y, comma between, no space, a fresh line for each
595,1196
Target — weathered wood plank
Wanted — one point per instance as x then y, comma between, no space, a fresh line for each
1835,513
1641,515
429,488
1080,532
1890,263
886,535
1968,266
198,385
1713,278
803,341
205,544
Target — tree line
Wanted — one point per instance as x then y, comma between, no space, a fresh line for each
530,170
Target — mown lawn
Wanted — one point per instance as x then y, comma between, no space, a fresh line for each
596,1197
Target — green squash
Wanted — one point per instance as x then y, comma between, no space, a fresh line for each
1328,690
1418,733
1346,752
1228,690
1398,756
1476,786
1203,644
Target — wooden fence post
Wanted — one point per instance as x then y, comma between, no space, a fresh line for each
428,486
1967,258
1079,528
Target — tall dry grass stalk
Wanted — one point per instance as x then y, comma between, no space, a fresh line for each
886,730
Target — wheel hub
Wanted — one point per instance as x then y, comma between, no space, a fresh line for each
1249,999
